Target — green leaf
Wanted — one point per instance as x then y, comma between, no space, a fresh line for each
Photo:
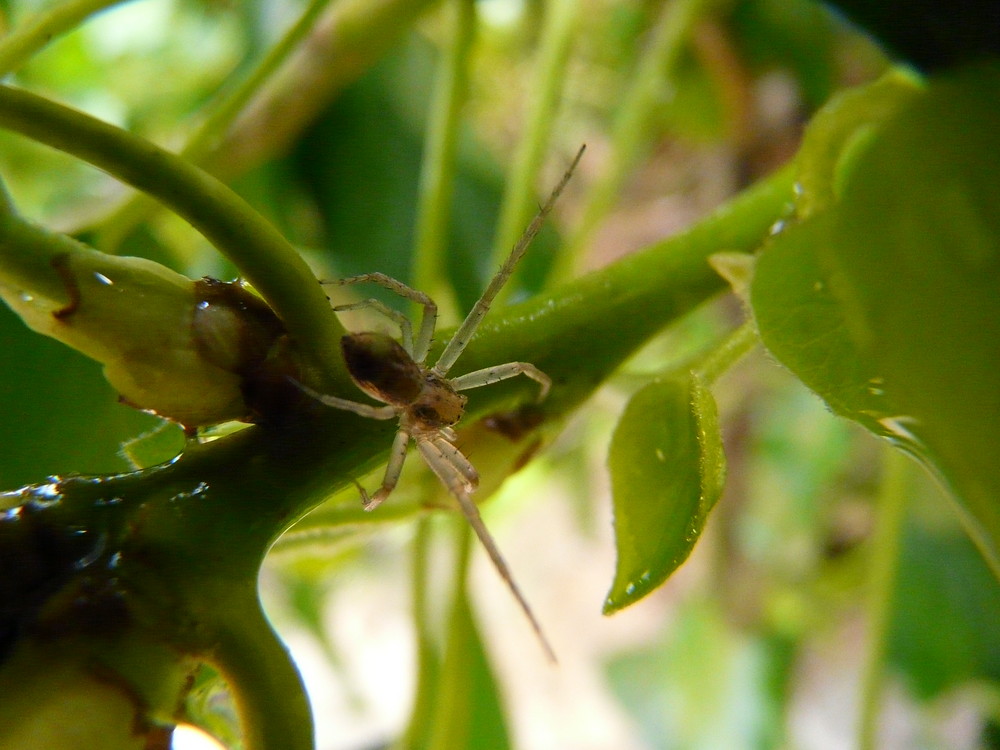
961,641
667,471
887,301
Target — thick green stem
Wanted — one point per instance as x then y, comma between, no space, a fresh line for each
258,250
268,690
892,504
28,38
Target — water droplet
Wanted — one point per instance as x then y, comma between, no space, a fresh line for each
900,428
777,227
103,279
875,386
27,297
198,489
44,495
94,554
630,589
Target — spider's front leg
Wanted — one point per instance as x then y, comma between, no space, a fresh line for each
458,475
495,374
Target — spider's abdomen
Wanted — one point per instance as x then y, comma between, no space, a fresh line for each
439,405
382,368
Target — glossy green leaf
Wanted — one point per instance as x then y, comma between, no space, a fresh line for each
961,641
667,471
886,302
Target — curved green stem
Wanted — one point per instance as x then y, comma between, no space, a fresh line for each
892,504
31,36
262,255
437,179
270,697
520,203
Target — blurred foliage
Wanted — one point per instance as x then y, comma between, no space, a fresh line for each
734,646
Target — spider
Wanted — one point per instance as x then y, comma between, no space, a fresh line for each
425,400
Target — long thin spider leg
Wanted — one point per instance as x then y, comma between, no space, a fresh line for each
364,410
397,455
457,459
405,327
495,374
465,331
455,482
427,322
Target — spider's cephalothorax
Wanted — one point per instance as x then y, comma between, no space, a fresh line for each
424,400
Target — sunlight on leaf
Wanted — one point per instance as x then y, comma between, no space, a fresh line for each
667,471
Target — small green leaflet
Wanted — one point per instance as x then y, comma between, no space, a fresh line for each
667,471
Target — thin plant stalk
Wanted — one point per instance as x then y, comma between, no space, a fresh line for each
220,115
36,33
520,196
631,130
731,350
437,178
893,500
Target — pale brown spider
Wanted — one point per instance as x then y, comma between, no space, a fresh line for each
426,402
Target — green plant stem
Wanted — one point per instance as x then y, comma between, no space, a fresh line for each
219,117
262,255
519,203
893,500
437,178
428,656
631,129
450,721
31,36
268,691
734,347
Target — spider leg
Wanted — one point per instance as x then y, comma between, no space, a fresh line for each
465,331
364,410
397,455
458,461
455,481
405,328
495,374
427,323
